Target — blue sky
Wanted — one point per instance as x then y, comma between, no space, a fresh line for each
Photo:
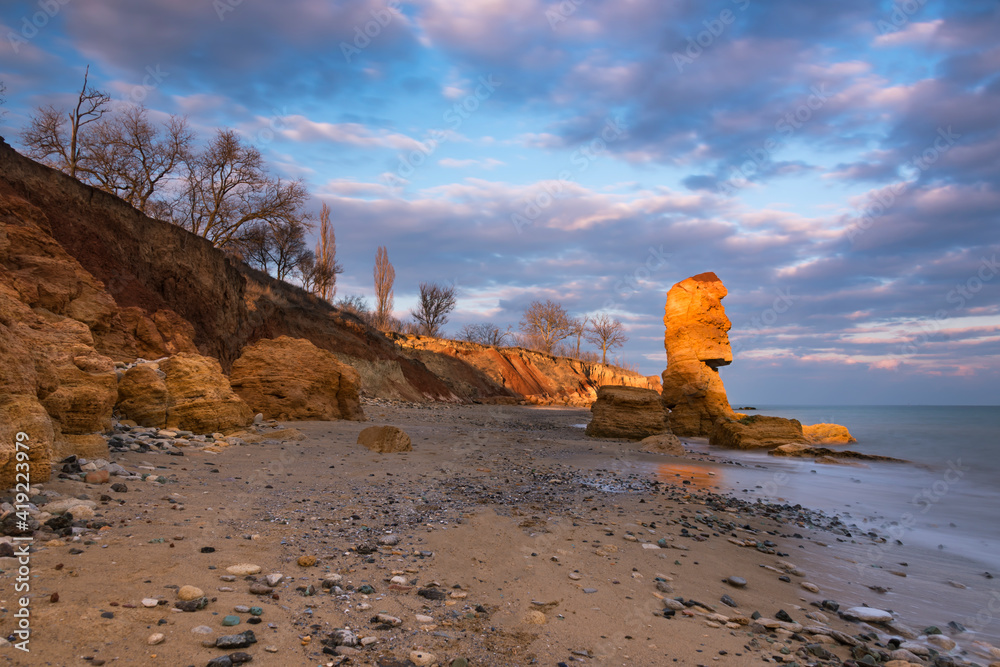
836,164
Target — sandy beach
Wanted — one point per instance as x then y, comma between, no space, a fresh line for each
506,537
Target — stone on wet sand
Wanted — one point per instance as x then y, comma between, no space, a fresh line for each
665,443
869,614
189,593
422,658
738,582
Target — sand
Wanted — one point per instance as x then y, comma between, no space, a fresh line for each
541,543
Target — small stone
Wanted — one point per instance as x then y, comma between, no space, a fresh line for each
942,642
119,487
150,602
274,579
271,649
231,620
202,630
387,619
812,588
728,601
389,540
258,588
421,618
243,569
422,658
306,561
869,614
574,576
97,477
738,582
589,590
192,605
242,640
535,617
189,593
156,638
241,609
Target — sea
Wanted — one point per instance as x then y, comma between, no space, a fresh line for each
937,515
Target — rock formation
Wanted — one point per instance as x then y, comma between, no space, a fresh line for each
825,453
697,345
292,379
626,412
827,434
665,443
185,391
385,439
484,372
757,432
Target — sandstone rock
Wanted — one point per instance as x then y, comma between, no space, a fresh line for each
143,397
385,439
91,446
827,434
23,413
192,395
97,477
756,432
697,344
292,379
626,412
808,451
666,443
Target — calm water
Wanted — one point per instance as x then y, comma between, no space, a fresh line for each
947,498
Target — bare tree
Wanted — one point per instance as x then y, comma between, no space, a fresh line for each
579,331
46,136
485,333
279,250
548,322
431,313
133,158
606,333
228,189
326,268
385,276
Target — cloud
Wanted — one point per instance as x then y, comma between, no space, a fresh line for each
486,163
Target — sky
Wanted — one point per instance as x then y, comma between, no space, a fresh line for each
836,164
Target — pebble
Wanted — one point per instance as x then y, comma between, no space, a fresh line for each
202,630
256,611
812,588
231,620
422,659
156,638
243,569
869,614
258,588
274,579
942,642
190,593
738,582
589,590
241,640
150,602
421,618
306,561
574,576
241,609
389,540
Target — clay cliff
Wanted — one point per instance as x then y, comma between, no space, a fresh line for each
697,344
517,373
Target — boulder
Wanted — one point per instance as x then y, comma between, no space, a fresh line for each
192,394
665,443
143,397
385,439
827,434
757,432
829,455
292,379
626,412
697,344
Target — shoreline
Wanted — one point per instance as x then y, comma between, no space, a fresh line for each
525,555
